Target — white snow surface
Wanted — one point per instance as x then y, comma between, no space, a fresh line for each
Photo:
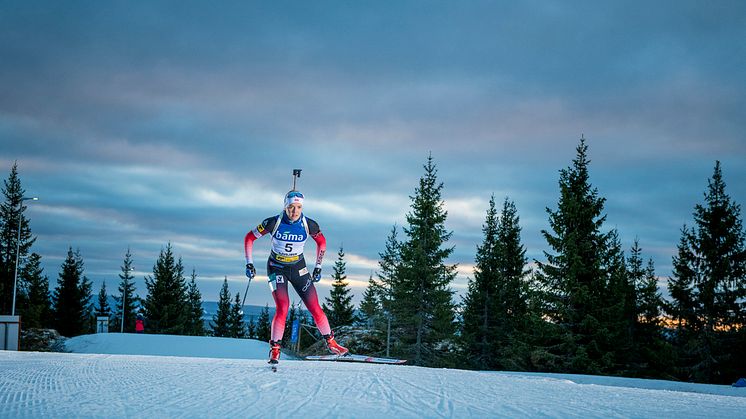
124,376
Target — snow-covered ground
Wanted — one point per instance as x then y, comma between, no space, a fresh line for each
168,345
118,375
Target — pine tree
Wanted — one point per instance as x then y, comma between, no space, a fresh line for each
711,272
618,313
496,305
195,325
222,318
338,306
103,308
649,302
36,311
11,214
251,328
370,305
389,262
572,282
72,298
681,287
376,307
652,354
479,315
264,325
126,297
512,291
166,304
236,325
421,297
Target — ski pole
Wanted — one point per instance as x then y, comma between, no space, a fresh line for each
244,297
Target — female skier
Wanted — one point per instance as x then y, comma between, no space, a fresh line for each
289,232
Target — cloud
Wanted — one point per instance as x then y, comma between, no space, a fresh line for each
142,123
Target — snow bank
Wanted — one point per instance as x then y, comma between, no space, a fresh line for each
168,345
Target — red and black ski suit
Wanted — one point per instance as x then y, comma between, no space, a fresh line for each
287,264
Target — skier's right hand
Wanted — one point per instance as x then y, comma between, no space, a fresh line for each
250,270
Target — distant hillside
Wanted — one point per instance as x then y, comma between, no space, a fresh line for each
210,308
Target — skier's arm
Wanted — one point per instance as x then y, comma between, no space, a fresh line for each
260,230
248,245
320,247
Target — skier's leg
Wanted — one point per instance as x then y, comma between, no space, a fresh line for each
279,286
301,280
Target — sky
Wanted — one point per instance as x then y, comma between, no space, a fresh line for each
139,124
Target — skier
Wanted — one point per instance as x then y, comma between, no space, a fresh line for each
289,232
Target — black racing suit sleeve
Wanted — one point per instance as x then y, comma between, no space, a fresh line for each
313,227
269,224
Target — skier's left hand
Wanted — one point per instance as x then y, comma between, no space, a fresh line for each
316,275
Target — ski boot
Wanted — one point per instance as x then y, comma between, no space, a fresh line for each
333,346
274,352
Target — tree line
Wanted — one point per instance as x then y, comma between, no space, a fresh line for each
588,306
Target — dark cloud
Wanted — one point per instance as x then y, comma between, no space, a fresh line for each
144,123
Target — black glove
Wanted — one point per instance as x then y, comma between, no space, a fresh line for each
250,270
316,275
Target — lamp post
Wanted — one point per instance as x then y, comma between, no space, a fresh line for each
18,250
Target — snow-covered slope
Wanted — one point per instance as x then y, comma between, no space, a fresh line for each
89,385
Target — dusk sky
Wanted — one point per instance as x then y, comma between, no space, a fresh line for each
143,123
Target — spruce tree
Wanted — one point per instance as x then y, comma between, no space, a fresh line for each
380,290
251,328
370,305
711,271
496,305
681,287
338,306
195,325
652,354
236,325
36,311
572,282
221,321
264,325
512,292
103,308
389,263
618,312
480,313
649,299
421,297
126,300
11,214
72,298
166,305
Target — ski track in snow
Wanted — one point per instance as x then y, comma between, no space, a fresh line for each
55,385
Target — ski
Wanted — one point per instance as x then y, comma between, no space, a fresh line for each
273,366
355,358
